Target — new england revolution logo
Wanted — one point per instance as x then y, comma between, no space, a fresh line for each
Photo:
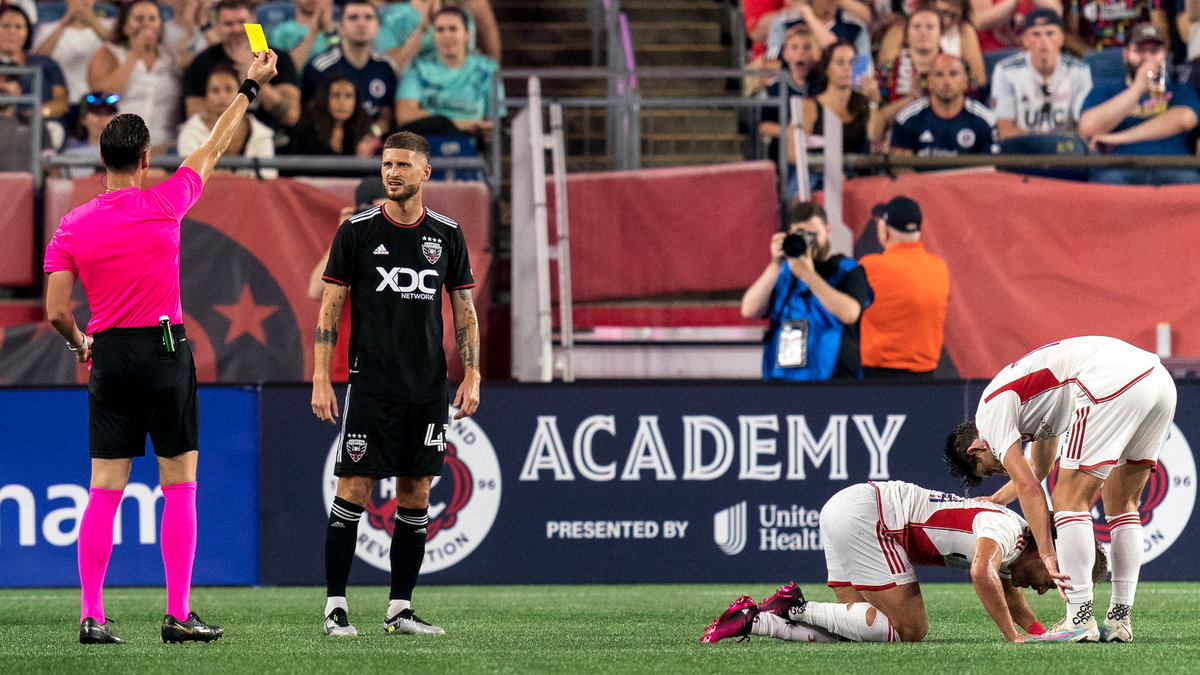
463,503
1167,500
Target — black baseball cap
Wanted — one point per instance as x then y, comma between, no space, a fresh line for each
901,213
1042,16
1146,32
367,191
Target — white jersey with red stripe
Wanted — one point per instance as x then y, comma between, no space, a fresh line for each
1035,397
940,529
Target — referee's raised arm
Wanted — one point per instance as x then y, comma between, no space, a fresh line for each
205,157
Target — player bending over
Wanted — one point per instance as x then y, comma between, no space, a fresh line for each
1112,404
873,534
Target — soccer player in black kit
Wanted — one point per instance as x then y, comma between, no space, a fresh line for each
394,259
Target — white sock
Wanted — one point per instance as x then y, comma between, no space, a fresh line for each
848,621
397,606
1076,554
775,626
335,602
1126,562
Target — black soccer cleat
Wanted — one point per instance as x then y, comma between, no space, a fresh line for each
93,633
192,630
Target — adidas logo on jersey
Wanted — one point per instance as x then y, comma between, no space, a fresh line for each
381,250
925,137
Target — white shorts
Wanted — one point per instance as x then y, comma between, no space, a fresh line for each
1129,428
859,552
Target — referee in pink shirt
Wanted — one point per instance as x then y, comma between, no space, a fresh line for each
124,247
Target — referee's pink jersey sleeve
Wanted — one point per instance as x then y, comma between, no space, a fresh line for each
57,257
180,192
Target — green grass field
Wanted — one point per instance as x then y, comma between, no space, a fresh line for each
562,629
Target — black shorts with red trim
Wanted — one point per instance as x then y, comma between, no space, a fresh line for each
138,388
385,438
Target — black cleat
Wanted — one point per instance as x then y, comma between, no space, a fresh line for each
192,630
92,633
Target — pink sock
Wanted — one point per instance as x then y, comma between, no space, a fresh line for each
94,549
178,537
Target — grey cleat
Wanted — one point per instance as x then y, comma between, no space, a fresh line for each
410,624
338,624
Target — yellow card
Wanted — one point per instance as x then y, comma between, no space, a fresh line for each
258,41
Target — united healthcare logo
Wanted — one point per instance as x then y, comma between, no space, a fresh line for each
463,502
729,529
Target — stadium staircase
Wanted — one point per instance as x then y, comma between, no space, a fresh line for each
665,33
647,337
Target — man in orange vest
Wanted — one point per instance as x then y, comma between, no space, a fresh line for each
902,330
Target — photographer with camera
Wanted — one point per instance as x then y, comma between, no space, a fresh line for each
813,300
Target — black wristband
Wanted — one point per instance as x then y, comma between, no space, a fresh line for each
250,89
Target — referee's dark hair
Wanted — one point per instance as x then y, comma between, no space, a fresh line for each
407,140
802,211
123,141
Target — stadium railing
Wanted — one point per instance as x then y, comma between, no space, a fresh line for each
34,100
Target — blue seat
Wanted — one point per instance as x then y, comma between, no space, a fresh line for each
1106,66
166,11
452,146
990,59
49,12
1046,144
271,14
53,10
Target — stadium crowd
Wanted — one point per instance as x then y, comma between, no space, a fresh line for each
924,77
952,77
350,73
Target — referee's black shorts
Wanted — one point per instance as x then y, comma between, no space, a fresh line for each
138,388
384,438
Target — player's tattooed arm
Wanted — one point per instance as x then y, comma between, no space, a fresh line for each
324,405
466,328
332,301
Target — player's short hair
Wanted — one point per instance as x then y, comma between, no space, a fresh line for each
1099,567
407,140
958,459
802,211
123,141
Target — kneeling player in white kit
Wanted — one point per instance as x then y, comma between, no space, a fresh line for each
873,534
1112,403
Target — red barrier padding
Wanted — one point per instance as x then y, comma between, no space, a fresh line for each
16,229
653,232
1033,260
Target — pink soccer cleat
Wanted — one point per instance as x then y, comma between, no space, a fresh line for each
783,600
733,622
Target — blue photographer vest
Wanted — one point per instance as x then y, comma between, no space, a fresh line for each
791,299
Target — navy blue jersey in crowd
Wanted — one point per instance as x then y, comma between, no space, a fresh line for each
375,81
919,129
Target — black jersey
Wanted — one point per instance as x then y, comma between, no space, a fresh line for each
395,273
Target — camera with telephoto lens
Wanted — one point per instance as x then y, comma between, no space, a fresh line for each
796,245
